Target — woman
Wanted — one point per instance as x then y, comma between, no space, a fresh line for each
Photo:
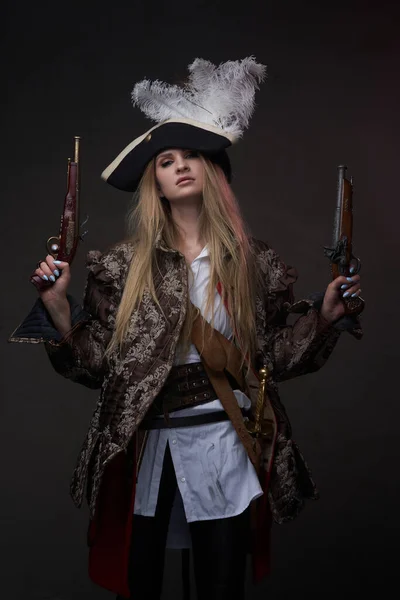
171,431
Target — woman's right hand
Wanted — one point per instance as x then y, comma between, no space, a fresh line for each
58,274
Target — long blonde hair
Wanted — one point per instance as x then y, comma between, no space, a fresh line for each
231,257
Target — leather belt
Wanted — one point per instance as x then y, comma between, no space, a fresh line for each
189,421
186,385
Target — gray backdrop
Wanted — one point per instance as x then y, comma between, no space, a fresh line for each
332,96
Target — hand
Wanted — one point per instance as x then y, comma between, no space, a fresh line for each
57,273
333,307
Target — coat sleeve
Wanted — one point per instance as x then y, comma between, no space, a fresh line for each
304,346
79,355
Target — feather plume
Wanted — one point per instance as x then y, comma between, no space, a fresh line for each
222,95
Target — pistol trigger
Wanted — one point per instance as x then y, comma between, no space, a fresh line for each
356,264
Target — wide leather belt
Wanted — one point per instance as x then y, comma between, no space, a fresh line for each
186,385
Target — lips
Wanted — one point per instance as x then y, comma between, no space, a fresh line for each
184,179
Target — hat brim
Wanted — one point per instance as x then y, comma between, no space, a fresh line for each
127,169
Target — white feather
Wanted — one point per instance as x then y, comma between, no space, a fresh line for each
222,96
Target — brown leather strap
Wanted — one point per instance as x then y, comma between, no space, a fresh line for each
233,359
221,353
214,353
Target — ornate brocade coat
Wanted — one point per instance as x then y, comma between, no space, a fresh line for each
132,378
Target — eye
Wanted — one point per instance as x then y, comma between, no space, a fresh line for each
192,154
165,163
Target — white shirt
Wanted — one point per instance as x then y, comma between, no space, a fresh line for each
215,476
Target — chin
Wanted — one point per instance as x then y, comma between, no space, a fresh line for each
186,193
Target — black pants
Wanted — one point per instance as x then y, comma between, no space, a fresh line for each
219,549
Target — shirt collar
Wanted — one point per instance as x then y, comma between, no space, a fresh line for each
203,253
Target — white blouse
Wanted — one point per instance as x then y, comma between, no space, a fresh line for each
215,476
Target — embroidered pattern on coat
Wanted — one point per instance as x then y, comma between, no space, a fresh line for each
129,384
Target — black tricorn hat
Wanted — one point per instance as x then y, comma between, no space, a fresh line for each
127,169
208,113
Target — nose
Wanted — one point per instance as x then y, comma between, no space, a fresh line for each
181,164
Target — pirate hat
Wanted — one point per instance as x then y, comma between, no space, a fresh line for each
207,114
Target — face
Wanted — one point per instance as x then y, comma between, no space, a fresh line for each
179,174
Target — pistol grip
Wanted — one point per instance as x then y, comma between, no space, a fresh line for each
354,306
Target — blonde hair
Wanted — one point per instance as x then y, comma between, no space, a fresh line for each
231,257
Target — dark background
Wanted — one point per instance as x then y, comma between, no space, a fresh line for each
332,96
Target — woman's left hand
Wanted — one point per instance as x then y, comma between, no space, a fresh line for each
333,306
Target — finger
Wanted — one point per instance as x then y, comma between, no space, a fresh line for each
352,279
45,272
344,283
56,266
350,287
59,264
41,274
352,292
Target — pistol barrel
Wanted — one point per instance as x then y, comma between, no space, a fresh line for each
76,148
339,204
